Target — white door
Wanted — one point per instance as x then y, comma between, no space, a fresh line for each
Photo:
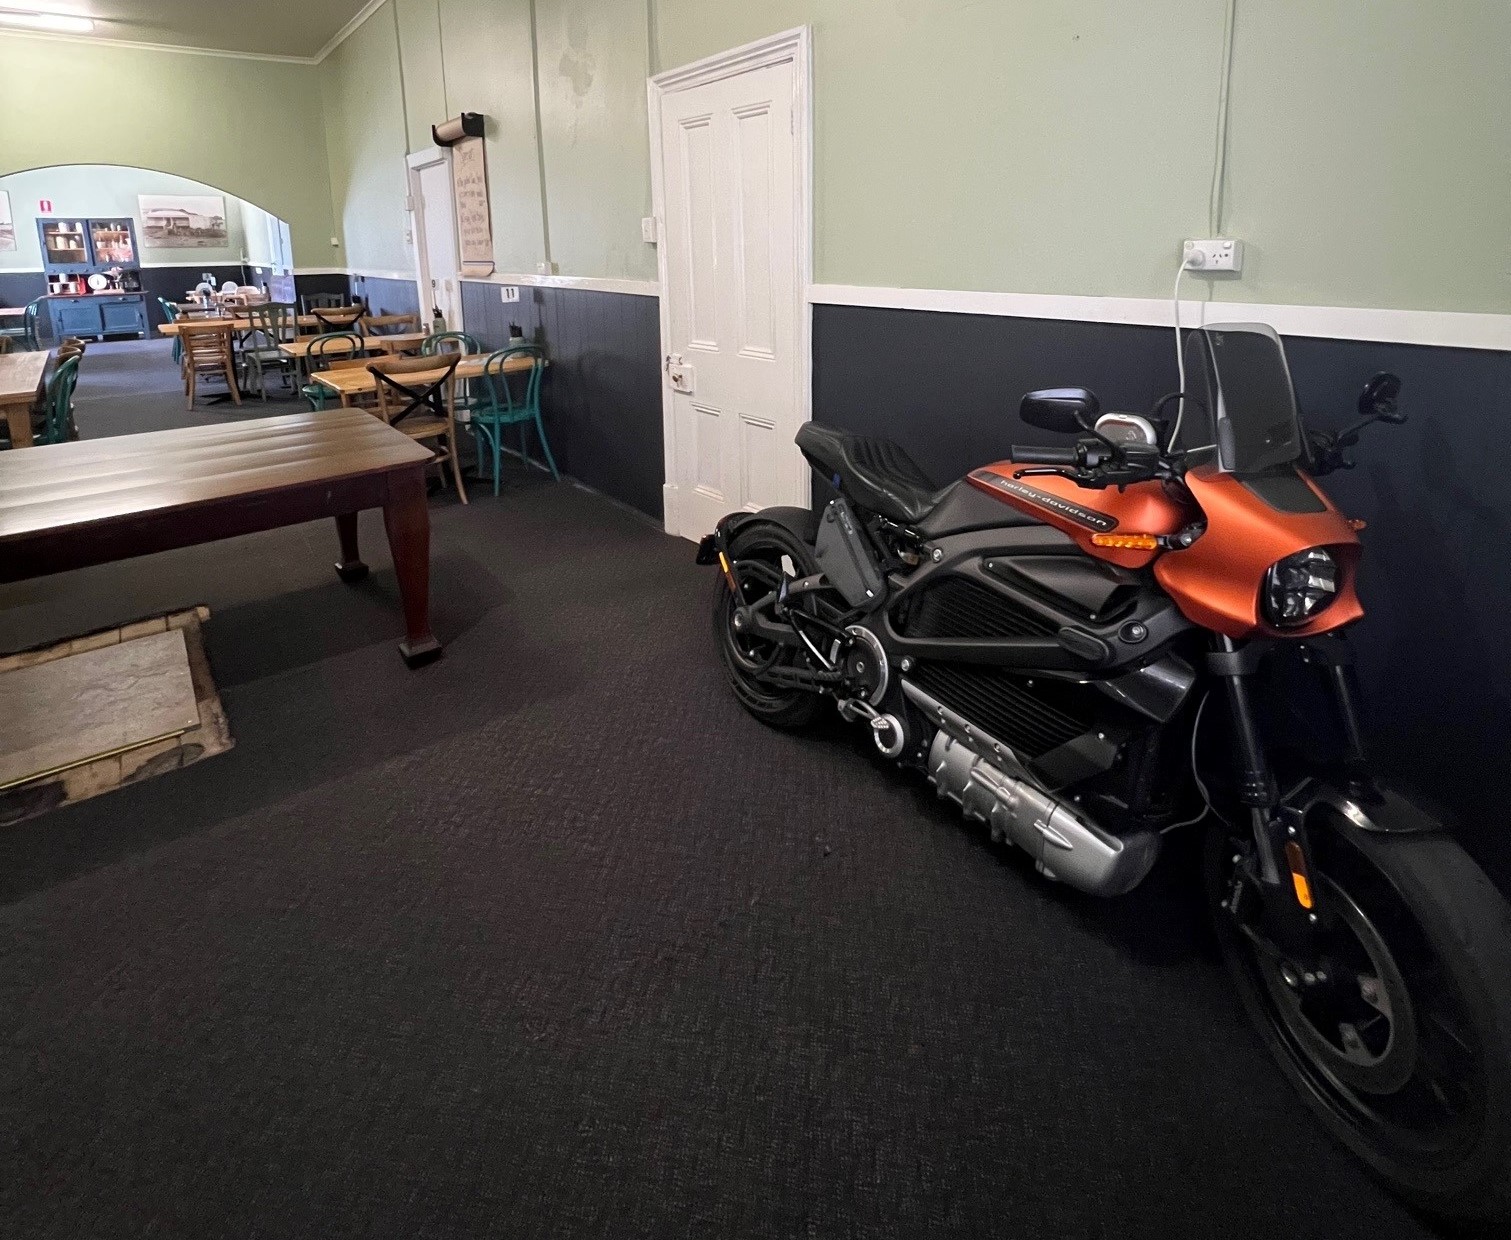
436,244
734,320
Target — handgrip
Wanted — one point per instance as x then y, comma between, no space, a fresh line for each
1028,454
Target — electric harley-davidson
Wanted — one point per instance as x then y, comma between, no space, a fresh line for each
1087,647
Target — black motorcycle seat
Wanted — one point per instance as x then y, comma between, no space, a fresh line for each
875,473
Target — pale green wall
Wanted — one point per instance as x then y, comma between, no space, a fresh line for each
200,117
95,190
1068,147
1011,145
364,134
593,61
490,69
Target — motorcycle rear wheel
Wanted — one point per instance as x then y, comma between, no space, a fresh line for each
756,553
1407,1057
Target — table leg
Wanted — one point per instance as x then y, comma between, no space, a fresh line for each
406,516
18,418
350,568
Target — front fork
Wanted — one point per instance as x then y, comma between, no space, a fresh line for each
1293,906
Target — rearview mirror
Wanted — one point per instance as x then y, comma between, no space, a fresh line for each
1378,399
1064,410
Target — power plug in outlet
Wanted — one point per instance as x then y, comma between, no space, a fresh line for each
1217,254
509,292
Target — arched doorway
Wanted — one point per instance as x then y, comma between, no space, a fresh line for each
184,231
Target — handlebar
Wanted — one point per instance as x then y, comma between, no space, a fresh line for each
1026,454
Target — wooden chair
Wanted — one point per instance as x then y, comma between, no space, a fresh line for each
422,409
406,323
207,350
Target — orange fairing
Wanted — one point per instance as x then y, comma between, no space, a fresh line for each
1216,582
1143,508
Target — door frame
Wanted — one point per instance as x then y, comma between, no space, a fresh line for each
415,205
793,45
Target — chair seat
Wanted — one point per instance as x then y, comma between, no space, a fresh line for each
417,427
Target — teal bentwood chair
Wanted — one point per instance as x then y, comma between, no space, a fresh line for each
58,404
170,315
511,400
467,396
322,349
26,334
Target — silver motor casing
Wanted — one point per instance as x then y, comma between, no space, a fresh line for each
1063,843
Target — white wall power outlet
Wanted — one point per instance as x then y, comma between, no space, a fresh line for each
509,292
545,269
1217,254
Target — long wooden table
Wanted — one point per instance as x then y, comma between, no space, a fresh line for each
339,322
21,377
359,381
397,342
66,506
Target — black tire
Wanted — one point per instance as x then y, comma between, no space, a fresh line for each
762,543
1419,1087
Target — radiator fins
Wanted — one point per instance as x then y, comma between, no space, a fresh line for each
958,607
1032,721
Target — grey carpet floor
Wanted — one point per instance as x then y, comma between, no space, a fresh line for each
551,940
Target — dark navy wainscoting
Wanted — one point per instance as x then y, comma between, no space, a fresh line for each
1433,648
19,287
601,398
385,296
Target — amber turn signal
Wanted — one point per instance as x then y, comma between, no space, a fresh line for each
1126,542
1297,861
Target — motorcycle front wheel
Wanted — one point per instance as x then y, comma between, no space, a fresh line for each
1401,1042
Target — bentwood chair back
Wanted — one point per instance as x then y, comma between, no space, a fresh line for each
26,333
421,408
207,351
170,315
511,398
58,403
334,349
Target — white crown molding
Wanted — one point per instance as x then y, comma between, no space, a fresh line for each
141,46
346,31
592,284
772,50
1443,328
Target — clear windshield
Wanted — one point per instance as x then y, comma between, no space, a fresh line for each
1240,398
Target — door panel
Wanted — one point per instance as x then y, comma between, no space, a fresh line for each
733,285
439,239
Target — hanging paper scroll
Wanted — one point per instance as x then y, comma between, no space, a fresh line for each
474,224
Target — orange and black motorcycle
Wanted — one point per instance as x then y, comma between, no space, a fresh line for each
1090,646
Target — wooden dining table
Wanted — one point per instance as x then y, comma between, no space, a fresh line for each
21,376
340,322
71,505
395,342
12,312
359,381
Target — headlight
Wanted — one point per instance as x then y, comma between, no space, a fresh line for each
1299,586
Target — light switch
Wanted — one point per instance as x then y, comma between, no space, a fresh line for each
648,230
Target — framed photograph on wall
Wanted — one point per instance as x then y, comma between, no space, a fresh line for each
7,222
183,221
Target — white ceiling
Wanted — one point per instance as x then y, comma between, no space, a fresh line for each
264,27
